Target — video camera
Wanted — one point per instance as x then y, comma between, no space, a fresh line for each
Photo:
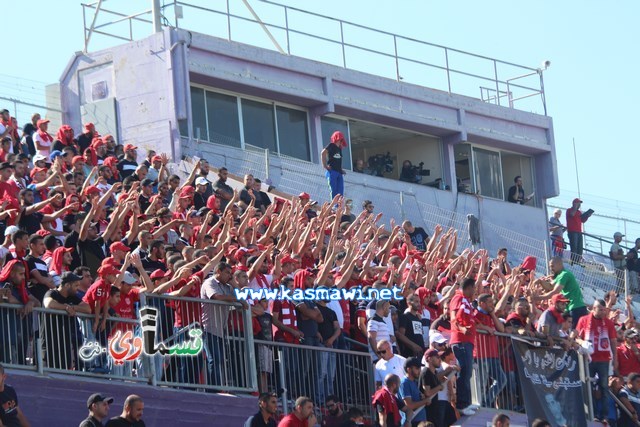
381,163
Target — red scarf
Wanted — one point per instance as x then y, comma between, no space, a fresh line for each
262,280
45,136
65,135
56,260
22,288
557,315
388,402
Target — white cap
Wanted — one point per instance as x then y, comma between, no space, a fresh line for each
11,230
39,157
436,337
202,181
128,278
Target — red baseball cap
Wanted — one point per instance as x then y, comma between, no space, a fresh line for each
288,260
577,200
77,159
43,232
108,269
558,298
97,142
128,147
157,274
91,190
119,246
304,196
156,158
42,121
34,171
187,192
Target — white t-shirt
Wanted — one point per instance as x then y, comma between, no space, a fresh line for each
395,365
38,140
337,308
383,332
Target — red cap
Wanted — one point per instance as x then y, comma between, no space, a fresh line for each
558,298
77,159
119,246
157,274
187,192
91,190
337,137
304,196
128,147
529,263
42,121
43,233
288,260
577,200
97,142
156,158
108,269
34,171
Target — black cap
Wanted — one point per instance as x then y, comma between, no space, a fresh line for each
5,165
146,182
412,362
97,398
69,277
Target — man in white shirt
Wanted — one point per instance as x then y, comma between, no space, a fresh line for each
378,330
389,363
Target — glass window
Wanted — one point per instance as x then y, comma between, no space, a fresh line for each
488,173
293,133
329,126
258,124
222,114
198,113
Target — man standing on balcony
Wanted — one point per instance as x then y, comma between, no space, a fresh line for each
575,218
516,193
332,162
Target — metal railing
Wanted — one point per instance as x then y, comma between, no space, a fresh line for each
344,43
316,372
495,383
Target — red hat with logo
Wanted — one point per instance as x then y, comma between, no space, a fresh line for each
558,298
157,274
108,269
187,192
304,196
119,246
91,190
128,147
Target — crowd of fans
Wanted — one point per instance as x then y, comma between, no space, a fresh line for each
90,225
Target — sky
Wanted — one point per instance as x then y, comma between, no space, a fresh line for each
591,86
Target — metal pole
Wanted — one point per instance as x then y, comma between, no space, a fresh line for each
156,11
253,369
264,27
266,163
546,255
402,206
626,285
395,48
228,21
446,59
344,56
575,160
93,24
542,94
286,25
495,72
285,405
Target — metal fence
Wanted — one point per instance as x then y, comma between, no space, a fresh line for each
495,382
294,31
316,372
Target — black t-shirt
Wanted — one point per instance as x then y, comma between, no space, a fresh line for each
428,378
419,238
91,253
308,327
413,326
127,167
326,328
266,324
31,223
55,295
222,187
144,203
516,195
121,422
335,157
9,407
150,265
244,195
199,200
84,141
258,421
91,422
37,290
72,242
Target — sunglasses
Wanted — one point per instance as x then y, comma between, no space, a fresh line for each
382,352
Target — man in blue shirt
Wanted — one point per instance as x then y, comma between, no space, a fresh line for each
410,392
